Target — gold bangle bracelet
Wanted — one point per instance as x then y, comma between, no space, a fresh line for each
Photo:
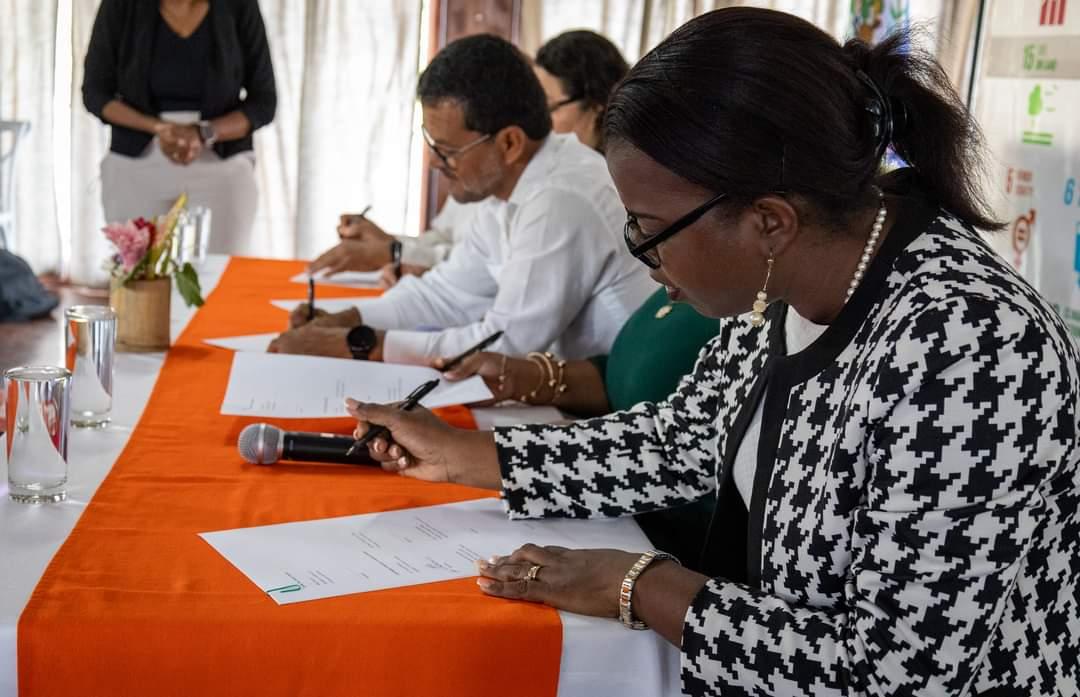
532,395
502,374
560,386
547,371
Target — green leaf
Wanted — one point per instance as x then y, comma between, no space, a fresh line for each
187,282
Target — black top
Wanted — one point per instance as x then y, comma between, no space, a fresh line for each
121,51
178,69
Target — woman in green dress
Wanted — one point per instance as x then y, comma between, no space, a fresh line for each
656,347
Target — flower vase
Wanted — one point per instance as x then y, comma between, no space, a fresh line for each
142,314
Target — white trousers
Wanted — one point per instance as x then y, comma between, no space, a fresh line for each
147,186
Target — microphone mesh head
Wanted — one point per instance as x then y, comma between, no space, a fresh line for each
258,444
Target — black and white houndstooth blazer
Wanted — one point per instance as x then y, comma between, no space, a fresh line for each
915,520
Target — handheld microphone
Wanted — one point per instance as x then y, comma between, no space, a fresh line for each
263,444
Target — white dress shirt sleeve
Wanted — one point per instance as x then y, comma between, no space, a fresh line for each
454,293
550,270
447,228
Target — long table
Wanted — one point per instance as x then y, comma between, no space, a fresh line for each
599,657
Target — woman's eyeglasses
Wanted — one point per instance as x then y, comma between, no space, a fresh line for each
446,155
644,248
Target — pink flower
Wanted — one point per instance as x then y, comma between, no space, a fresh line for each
131,241
157,232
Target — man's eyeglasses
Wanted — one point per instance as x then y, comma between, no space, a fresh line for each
552,108
448,155
645,248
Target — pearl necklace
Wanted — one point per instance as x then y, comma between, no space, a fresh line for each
868,250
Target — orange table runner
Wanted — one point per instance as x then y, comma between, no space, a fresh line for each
136,603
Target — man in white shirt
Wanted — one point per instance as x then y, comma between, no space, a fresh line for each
543,259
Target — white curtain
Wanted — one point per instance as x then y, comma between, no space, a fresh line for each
635,26
342,138
27,59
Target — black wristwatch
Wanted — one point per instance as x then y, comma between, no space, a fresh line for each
207,133
361,341
395,257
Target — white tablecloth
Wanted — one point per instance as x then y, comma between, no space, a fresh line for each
599,657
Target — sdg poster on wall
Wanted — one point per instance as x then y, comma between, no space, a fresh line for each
1027,100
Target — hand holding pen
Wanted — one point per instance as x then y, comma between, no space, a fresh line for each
419,393
408,405
348,219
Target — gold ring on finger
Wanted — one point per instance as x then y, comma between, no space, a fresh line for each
533,571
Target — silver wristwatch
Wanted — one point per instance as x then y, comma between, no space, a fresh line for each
207,133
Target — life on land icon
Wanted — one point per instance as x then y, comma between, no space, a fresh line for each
1036,107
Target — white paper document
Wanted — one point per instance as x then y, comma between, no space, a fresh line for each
294,562
327,304
257,343
287,386
349,279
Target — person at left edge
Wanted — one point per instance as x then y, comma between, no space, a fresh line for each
167,77
543,261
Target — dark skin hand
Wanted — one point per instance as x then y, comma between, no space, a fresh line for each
585,581
425,447
317,340
585,394
352,255
346,318
353,226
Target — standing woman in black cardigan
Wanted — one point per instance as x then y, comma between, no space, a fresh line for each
167,77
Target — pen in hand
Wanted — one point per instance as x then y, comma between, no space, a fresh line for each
453,362
311,298
419,393
357,217
381,431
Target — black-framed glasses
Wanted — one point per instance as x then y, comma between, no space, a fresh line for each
552,108
645,249
448,154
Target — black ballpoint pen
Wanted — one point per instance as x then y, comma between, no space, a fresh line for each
419,393
453,362
311,298
381,431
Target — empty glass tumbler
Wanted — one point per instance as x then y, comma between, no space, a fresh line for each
200,243
90,349
191,238
36,414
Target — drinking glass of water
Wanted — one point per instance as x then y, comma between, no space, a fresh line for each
36,411
90,333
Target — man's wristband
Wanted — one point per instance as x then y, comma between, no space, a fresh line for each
395,257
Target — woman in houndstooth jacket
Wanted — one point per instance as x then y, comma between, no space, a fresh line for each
891,431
